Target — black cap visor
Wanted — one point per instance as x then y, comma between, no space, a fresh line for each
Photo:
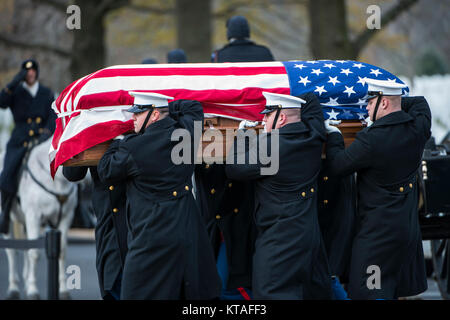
269,109
373,94
135,108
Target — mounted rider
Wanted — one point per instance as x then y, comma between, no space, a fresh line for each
30,104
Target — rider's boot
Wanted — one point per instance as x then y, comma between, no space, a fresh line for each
7,200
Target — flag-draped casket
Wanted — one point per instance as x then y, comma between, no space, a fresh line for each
92,110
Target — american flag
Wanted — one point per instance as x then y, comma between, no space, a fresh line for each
92,109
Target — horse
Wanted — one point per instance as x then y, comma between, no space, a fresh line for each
41,201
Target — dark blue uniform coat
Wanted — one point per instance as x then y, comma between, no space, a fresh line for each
33,117
169,254
110,230
337,216
242,50
386,157
290,260
227,206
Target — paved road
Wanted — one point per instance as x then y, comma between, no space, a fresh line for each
83,255
80,253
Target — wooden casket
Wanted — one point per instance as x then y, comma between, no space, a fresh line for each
92,107
91,157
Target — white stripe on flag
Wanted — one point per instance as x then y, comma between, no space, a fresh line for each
93,117
199,65
228,82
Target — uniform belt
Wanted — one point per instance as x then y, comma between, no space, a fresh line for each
303,193
174,193
402,187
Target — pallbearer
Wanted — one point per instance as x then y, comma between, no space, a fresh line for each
387,256
169,255
290,260
109,204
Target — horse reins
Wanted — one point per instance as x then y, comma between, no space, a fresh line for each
62,198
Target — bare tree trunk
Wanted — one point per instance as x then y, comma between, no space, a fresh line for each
194,32
88,44
329,35
328,30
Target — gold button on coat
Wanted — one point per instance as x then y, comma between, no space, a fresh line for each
230,185
207,166
29,120
325,201
303,194
213,191
218,217
325,178
41,130
31,133
236,210
111,188
38,120
25,144
312,189
186,188
115,210
410,185
174,193
401,189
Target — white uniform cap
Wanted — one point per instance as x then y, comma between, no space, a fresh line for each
150,98
384,87
276,101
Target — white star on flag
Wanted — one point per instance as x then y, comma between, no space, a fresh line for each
361,80
392,80
300,66
333,102
362,101
329,65
349,90
376,72
320,90
358,65
333,114
361,116
333,80
316,71
304,80
346,71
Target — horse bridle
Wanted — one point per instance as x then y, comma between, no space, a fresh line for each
62,198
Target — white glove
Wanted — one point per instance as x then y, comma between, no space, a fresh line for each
330,126
119,137
247,124
265,127
368,121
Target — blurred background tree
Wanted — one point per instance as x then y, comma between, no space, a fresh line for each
126,31
431,63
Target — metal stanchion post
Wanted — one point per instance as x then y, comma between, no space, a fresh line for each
52,249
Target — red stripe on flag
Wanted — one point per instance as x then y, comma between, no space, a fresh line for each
233,96
88,138
190,71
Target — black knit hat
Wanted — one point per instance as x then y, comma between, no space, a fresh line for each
176,56
237,27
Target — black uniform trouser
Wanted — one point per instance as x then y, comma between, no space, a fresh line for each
7,200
